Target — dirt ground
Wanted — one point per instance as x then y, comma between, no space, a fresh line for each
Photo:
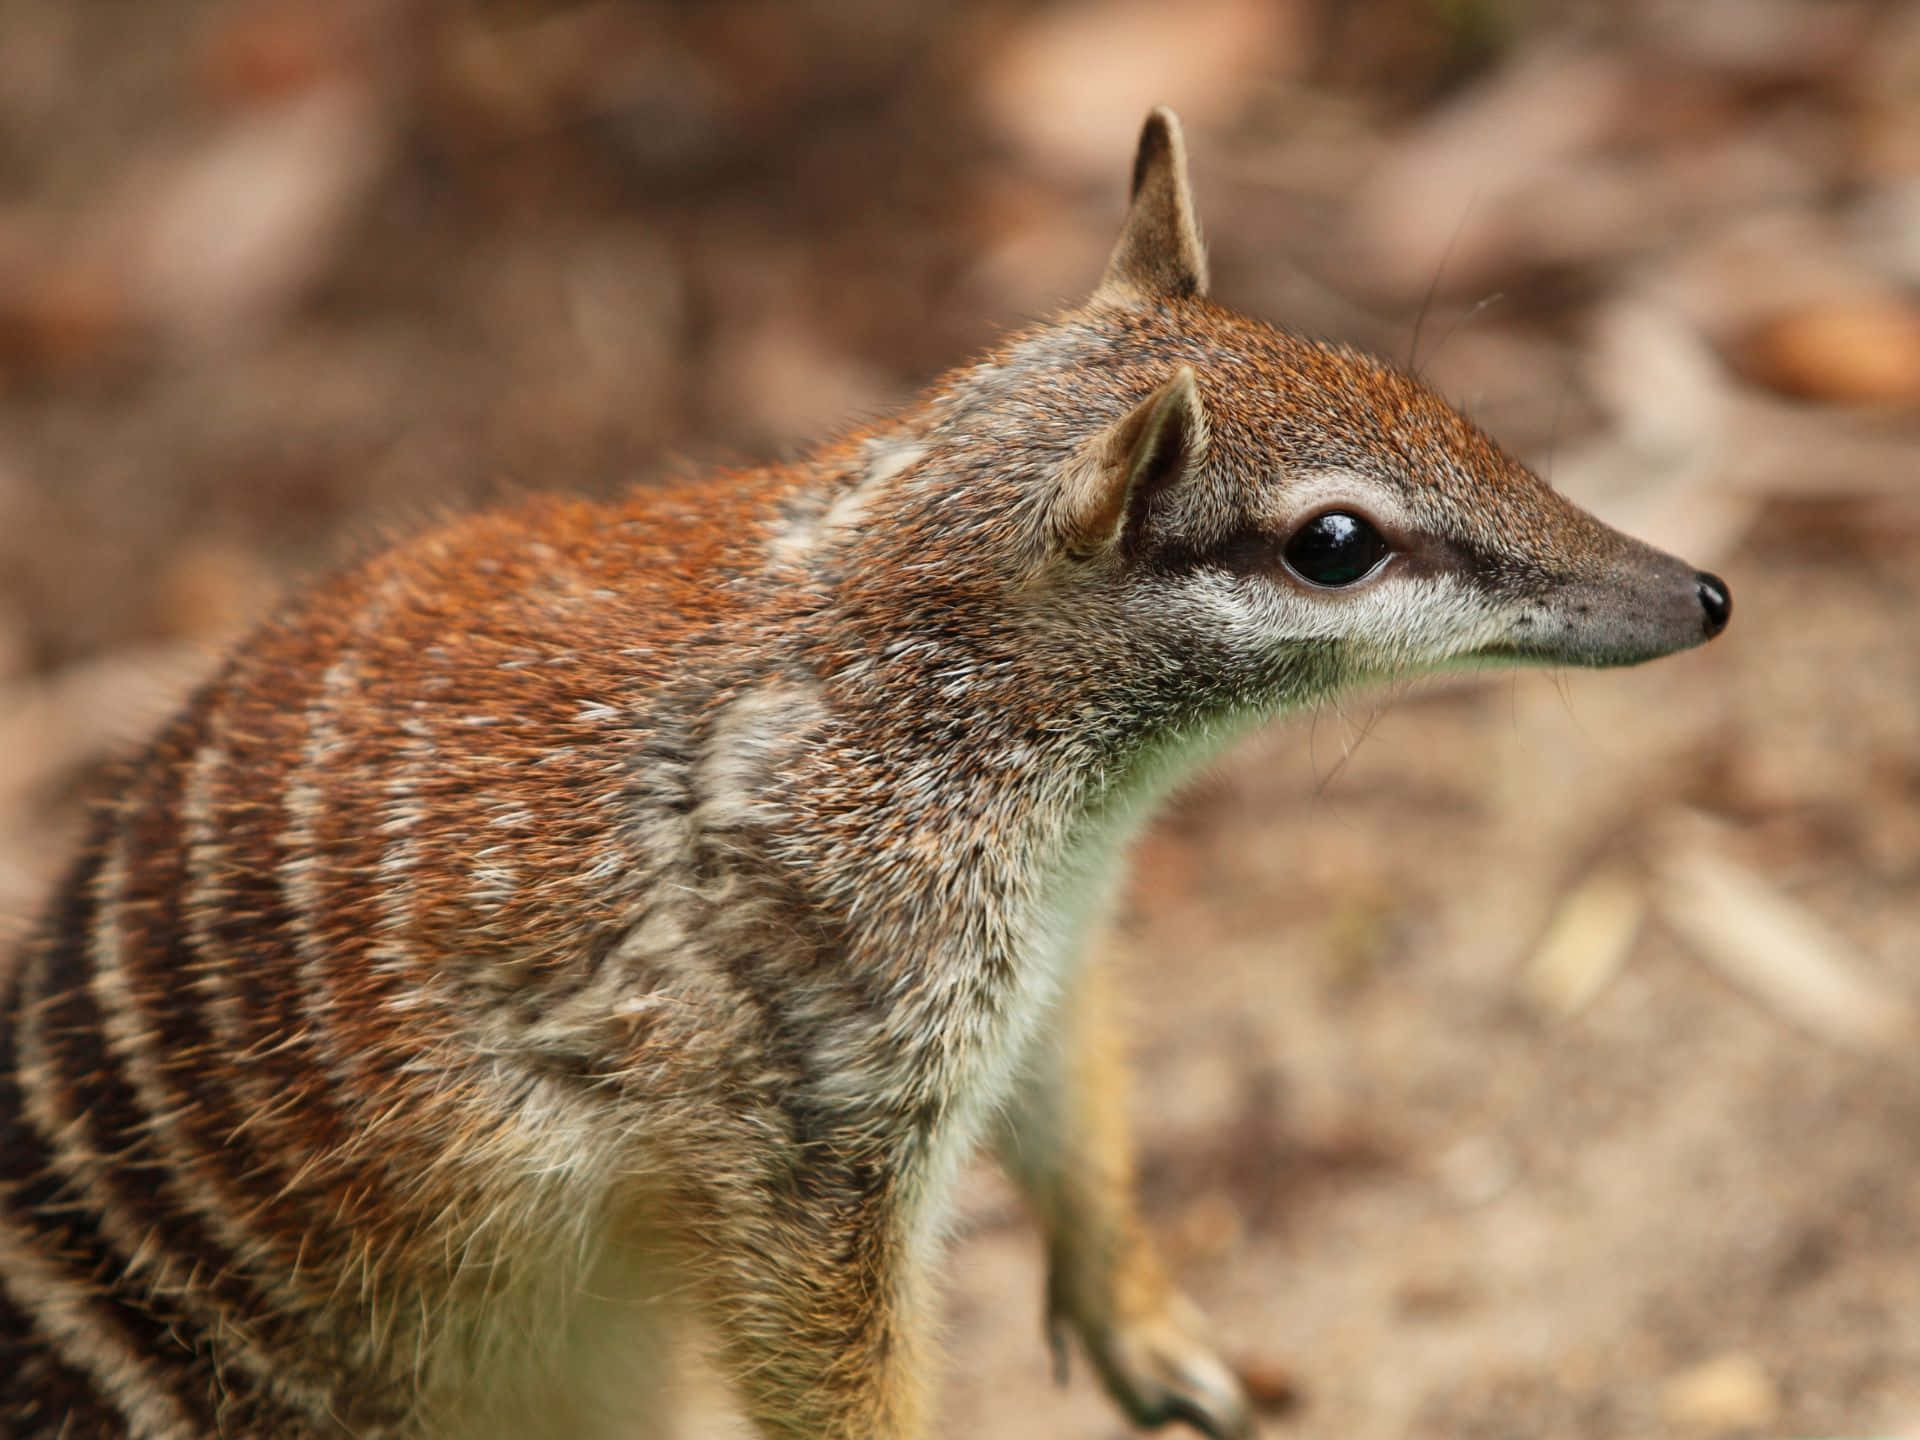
1518,1056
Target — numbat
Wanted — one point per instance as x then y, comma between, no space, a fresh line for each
592,922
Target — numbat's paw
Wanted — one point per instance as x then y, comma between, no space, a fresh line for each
1163,1367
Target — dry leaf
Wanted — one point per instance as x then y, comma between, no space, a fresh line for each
1772,947
241,228
1864,351
1586,943
1730,1392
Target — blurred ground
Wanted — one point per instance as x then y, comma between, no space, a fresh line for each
1533,1056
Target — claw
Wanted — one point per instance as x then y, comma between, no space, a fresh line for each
1216,1407
1207,1396
1163,1369
1178,1409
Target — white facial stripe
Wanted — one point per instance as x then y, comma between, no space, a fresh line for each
1282,507
1397,624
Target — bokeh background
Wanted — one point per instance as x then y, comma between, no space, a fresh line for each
1519,1056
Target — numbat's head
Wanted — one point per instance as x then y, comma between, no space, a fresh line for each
1257,517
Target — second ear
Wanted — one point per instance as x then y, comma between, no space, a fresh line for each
1159,256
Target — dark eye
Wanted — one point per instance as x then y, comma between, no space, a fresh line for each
1335,549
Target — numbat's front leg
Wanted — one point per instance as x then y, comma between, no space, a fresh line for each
1065,1141
819,1311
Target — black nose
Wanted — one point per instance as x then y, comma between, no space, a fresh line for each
1715,599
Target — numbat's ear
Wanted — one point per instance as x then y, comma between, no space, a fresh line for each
1159,256
1110,481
